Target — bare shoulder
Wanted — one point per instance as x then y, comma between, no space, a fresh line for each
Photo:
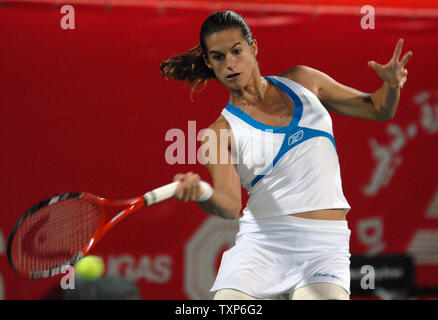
304,75
220,123
217,126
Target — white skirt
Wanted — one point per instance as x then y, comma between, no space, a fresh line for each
274,256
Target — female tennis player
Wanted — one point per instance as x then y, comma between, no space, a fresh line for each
293,239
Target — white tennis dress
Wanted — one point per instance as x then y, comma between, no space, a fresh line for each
286,170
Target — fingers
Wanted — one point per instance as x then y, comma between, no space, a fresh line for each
189,188
178,176
406,58
404,74
402,83
398,50
374,65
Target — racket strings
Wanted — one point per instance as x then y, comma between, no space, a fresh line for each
54,234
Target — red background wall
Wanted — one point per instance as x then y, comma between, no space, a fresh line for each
87,109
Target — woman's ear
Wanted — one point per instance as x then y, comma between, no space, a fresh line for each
207,62
254,48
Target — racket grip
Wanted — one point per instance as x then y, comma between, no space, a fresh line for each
168,191
161,193
207,191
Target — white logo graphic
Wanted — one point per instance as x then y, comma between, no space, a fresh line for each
367,21
295,137
423,244
429,114
368,280
68,21
68,281
388,158
157,270
424,247
214,147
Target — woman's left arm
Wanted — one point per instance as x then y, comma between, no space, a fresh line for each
378,106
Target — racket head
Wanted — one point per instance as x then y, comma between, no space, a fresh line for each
54,233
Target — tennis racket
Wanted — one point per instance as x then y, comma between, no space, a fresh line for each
60,230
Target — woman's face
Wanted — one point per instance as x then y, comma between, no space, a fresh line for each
231,58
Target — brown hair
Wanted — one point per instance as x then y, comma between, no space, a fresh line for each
190,66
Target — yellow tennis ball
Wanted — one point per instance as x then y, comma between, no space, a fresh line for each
90,267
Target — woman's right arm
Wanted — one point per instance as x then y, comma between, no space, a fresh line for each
226,200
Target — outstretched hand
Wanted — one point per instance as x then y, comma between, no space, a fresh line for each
394,72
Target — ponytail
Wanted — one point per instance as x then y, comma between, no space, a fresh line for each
189,66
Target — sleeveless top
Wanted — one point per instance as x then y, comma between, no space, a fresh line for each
289,169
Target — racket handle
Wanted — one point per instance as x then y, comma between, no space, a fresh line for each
168,191
160,194
207,191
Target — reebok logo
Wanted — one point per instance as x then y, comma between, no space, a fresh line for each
295,137
322,275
